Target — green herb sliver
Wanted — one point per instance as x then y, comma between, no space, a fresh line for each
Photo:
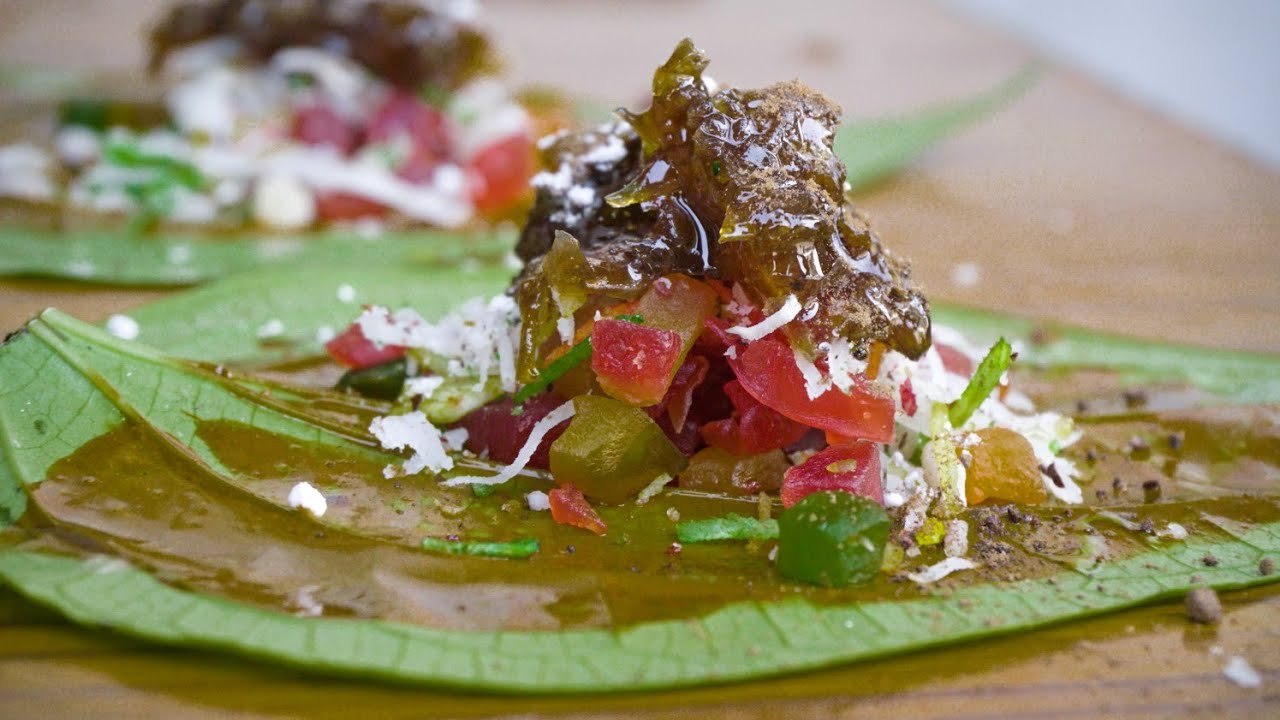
516,549
729,527
984,380
179,172
557,368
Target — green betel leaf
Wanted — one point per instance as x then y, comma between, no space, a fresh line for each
874,149
871,150
1235,375
739,641
167,258
277,314
181,473
219,323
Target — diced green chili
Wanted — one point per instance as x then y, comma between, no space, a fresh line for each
984,380
557,368
516,549
381,382
554,371
179,172
832,538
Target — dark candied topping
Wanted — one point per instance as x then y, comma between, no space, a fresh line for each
741,185
624,249
404,42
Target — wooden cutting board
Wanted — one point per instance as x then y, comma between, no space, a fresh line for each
1074,204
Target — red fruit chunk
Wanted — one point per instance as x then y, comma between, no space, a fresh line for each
345,206
717,338
852,468
753,429
767,369
679,396
954,360
352,349
908,397
404,115
492,429
500,173
570,507
634,363
321,125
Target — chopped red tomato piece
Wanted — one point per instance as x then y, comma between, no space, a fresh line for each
500,173
353,350
492,430
321,125
852,468
954,360
767,369
634,363
753,428
570,507
345,206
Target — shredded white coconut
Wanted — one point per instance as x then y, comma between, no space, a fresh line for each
415,432
25,172
304,496
455,439
941,569
123,327
1239,671
581,195
842,365
610,151
538,501
325,333
472,339
955,543
346,293
283,202
271,328
785,314
901,478
653,488
1173,530
539,431
814,382
425,386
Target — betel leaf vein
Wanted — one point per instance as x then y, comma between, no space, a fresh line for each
740,641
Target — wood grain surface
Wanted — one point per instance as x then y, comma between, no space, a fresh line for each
1074,204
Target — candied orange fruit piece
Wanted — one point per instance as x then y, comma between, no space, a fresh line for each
1003,468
